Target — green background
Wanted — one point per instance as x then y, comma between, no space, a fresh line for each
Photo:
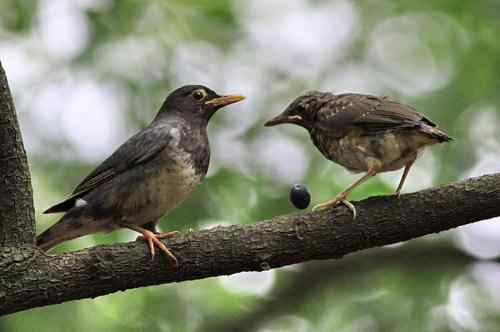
87,74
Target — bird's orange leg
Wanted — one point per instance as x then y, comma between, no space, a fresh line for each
403,178
163,235
341,197
154,239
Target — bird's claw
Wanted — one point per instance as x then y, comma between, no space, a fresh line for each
337,200
154,239
351,207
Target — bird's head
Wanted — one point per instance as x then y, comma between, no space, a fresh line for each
195,102
302,111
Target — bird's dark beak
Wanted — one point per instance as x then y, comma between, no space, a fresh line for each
282,118
224,101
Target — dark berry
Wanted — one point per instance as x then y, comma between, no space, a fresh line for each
300,196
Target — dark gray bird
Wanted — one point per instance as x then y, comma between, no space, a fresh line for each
146,177
363,133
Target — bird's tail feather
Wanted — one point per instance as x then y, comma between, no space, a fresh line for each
437,134
67,228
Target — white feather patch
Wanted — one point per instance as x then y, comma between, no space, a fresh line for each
80,203
176,136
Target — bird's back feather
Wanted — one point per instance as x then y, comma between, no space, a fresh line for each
140,148
372,115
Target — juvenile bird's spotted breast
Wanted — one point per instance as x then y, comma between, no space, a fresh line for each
386,151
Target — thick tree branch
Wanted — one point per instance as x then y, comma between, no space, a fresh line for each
31,278
17,221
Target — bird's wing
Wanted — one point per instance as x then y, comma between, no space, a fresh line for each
140,148
370,113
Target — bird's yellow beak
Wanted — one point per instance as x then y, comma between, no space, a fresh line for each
224,100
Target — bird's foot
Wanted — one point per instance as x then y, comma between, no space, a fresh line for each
164,235
337,200
154,239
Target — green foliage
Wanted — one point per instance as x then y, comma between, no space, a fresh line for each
441,56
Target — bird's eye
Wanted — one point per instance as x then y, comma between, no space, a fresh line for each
199,94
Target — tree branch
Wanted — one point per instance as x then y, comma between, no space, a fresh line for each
267,244
17,221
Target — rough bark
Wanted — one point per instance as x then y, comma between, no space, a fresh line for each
30,278
17,221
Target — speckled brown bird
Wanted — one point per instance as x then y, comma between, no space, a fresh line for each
363,133
146,177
